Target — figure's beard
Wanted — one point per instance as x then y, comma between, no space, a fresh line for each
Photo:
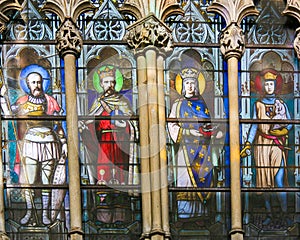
37,92
109,92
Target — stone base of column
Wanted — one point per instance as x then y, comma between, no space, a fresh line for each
76,235
156,234
236,234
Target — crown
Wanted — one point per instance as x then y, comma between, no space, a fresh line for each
270,76
189,73
106,72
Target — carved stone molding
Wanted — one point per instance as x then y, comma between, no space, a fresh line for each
293,9
161,8
5,6
68,9
232,41
149,32
68,39
233,11
297,43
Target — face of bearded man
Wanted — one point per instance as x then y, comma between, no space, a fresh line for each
35,84
108,84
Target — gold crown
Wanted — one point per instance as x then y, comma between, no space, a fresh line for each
107,72
270,76
189,73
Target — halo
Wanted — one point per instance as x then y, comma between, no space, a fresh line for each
201,83
118,77
38,69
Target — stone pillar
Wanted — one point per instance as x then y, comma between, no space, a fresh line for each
144,144
232,53
151,39
163,151
69,49
232,46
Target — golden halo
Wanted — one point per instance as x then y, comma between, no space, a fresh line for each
201,83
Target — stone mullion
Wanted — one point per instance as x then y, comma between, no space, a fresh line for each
151,58
144,146
73,160
232,46
149,37
234,144
232,53
162,143
69,49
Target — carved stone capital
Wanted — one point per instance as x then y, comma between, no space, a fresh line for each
3,236
68,39
232,41
149,31
297,42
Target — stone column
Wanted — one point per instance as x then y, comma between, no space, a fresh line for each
232,54
151,39
232,46
69,49
163,151
69,45
144,144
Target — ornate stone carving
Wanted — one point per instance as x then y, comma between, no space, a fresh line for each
293,9
297,43
68,39
232,41
5,6
149,32
160,8
233,11
68,9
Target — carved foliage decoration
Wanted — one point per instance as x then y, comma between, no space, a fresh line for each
293,9
233,10
232,38
149,32
232,41
6,5
68,39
